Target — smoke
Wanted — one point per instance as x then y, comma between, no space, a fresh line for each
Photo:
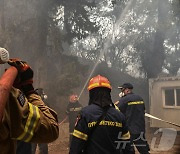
28,35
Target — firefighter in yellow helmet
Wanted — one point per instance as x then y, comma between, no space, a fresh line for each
100,128
25,117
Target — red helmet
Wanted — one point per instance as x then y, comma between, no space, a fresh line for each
99,81
73,98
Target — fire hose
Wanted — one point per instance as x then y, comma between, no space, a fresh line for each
6,83
153,117
146,114
63,120
6,80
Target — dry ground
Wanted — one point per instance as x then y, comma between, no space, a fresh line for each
60,146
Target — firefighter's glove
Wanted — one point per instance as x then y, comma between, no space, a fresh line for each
24,79
20,65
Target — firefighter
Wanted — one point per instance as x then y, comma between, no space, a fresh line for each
25,116
43,147
133,107
72,111
30,148
100,128
23,147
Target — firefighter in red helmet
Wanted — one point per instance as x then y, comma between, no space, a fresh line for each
99,127
72,111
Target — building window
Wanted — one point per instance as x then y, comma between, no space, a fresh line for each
178,96
171,97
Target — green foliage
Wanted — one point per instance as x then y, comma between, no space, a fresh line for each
76,19
136,37
63,81
71,75
141,39
29,30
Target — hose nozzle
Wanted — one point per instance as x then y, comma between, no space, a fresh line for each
4,56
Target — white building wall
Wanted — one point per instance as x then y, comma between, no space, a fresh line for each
157,106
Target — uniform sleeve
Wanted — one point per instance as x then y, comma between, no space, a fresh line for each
67,110
122,105
80,105
30,119
125,131
80,135
127,147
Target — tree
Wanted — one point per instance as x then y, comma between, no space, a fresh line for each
33,34
172,50
137,44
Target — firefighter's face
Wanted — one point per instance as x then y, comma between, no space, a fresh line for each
73,98
125,91
122,90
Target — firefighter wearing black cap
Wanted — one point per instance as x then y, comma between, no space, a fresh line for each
99,127
132,106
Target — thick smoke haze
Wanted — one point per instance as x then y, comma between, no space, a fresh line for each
142,42
68,42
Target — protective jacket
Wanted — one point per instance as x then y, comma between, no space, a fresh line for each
72,111
105,138
27,119
132,106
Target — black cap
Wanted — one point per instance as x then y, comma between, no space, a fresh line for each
126,85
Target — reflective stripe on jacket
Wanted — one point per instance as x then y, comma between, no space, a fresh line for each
27,119
133,107
105,138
